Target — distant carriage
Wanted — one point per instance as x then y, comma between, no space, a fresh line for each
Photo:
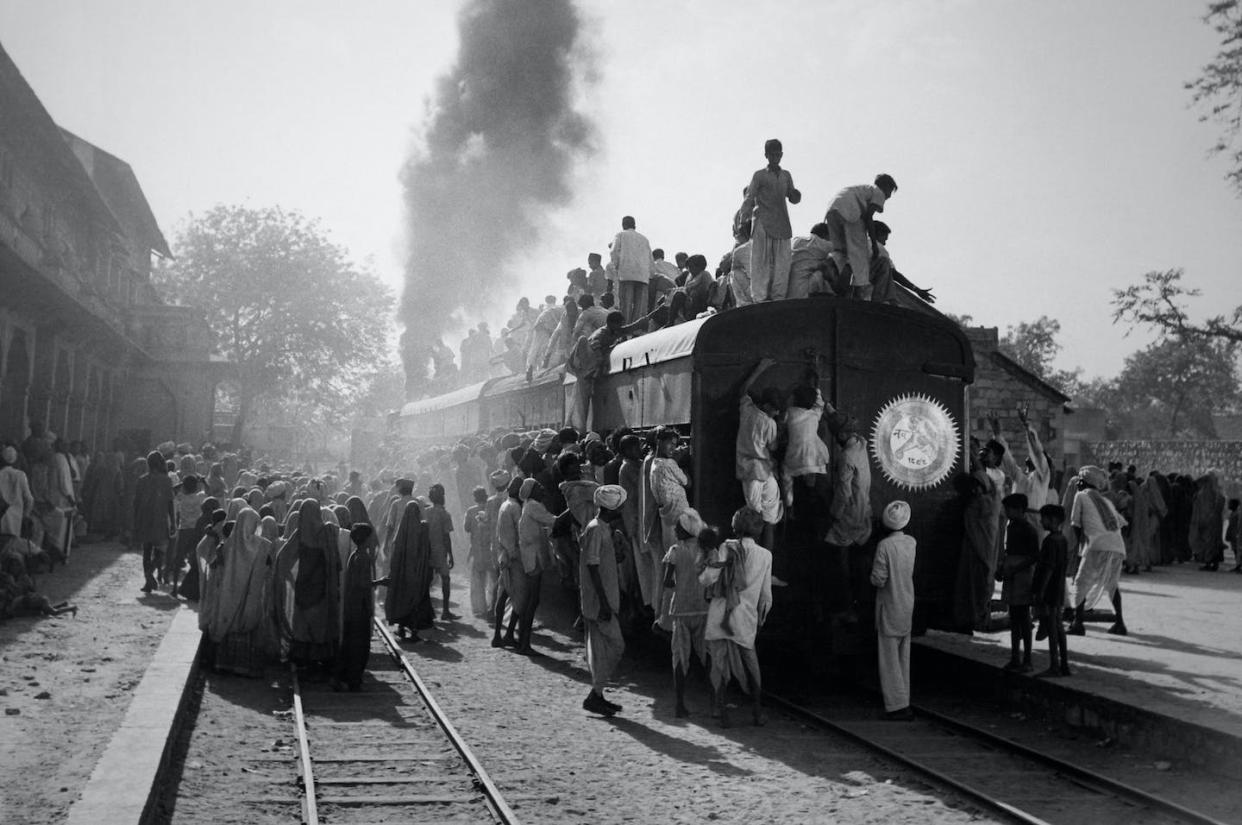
901,370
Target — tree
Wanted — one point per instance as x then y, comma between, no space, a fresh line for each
1158,303
1173,387
1033,344
1218,90
302,323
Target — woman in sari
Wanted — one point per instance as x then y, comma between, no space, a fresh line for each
408,602
1148,511
1207,520
205,556
357,608
306,583
237,579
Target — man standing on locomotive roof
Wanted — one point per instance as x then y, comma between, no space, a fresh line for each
631,256
770,231
849,228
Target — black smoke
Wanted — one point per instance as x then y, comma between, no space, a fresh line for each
498,153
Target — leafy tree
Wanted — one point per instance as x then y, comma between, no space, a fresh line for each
1033,344
1173,387
1158,302
301,322
1218,90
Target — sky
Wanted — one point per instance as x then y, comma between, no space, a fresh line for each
1046,152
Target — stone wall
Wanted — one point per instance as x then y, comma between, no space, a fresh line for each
1192,457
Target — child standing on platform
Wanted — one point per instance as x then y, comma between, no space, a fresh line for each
893,574
1048,590
1017,573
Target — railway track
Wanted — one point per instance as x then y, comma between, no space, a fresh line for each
1007,779
387,754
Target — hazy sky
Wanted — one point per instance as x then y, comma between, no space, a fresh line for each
1045,151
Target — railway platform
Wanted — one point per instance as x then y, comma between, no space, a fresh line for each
1172,686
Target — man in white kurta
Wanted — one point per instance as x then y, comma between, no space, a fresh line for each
849,228
631,257
892,573
770,232
731,643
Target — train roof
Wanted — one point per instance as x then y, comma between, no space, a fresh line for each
462,395
517,381
666,344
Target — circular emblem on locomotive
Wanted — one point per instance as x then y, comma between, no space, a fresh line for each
915,441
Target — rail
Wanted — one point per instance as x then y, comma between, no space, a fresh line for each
1081,777
482,783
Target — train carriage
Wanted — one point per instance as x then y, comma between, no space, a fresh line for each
901,371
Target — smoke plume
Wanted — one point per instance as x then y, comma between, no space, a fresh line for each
499,147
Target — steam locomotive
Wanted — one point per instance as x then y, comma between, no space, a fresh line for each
901,370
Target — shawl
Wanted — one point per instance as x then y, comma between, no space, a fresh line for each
343,516
357,511
408,601
239,578
1108,515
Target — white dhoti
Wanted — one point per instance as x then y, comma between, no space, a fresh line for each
1098,575
604,646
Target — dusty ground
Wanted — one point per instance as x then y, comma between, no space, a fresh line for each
65,682
524,719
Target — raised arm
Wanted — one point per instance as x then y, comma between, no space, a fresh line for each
1008,465
1036,448
925,294
760,368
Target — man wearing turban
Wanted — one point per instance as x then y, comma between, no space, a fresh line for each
601,597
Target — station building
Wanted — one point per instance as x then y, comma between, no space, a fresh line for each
87,346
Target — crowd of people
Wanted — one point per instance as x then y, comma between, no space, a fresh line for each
284,563
844,255
1058,549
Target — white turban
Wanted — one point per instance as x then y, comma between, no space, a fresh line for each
1094,476
896,515
610,496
